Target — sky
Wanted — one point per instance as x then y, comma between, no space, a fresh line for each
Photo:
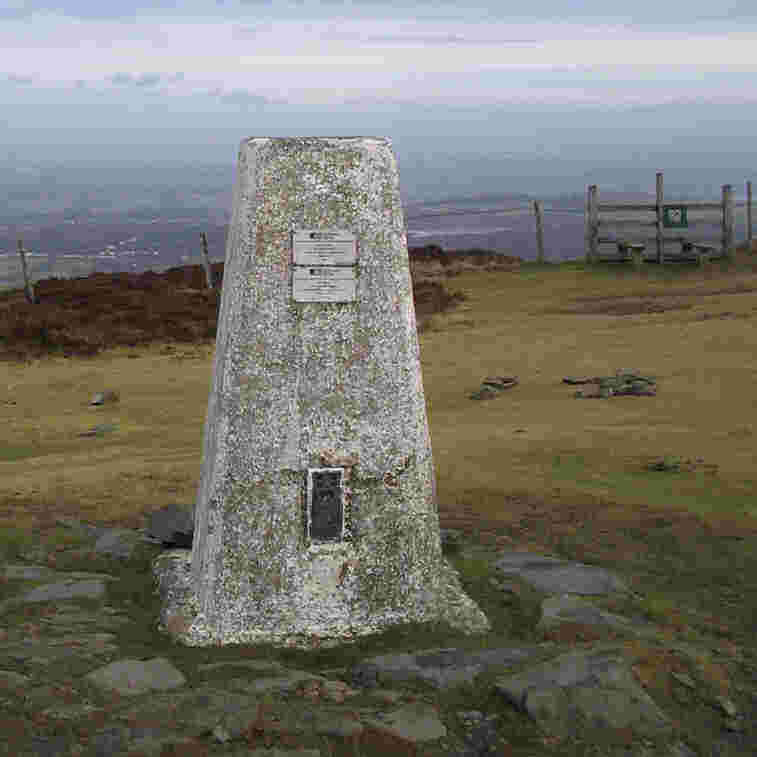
459,87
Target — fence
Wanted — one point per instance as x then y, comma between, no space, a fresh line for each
538,214
677,211
667,216
210,281
29,288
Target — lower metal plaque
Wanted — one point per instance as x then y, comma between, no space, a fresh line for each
323,284
324,503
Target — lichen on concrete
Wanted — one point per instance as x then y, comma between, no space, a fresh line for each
301,386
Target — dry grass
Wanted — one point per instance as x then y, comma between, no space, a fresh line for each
536,442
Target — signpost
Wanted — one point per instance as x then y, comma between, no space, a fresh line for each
674,217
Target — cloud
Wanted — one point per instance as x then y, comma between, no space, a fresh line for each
642,14
299,61
244,97
120,78
250,32
247,55
13,14
83,9
426,39
145,80
16,79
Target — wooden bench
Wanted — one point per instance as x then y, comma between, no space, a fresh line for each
699,251
633,250
627,251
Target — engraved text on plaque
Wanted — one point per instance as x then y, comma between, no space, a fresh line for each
323,284
324,247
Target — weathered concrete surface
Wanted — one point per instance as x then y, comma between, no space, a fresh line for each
305,385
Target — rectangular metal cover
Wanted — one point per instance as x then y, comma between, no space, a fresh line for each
324,503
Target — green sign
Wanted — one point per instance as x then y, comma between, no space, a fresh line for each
674,216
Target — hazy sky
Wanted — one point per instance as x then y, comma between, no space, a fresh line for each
581,80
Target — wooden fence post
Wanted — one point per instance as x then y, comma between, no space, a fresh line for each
539,233
206,263
660,198
592,227
28,286
727,220
749,214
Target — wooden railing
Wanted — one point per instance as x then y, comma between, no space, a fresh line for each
667,216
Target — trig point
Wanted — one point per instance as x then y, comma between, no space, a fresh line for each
316,519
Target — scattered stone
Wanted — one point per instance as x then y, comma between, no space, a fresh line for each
567,608
413,723
548,574
622,383
441,668
102,397
100,429
117,542
271,708
67,589
450,539
568,380
481,732
135,677
597,683
492,386
677,464
172,526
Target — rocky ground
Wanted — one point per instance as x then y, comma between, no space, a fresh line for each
83,672
575,663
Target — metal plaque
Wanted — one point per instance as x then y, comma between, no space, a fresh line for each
324,503
323,284
674,216
324,247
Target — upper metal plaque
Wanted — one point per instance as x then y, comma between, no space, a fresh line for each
324,247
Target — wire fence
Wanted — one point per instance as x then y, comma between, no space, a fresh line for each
626,249
491,211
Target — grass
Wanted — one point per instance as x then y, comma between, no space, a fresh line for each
540,323
535,467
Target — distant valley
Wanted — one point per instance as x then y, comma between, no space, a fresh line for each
76,218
